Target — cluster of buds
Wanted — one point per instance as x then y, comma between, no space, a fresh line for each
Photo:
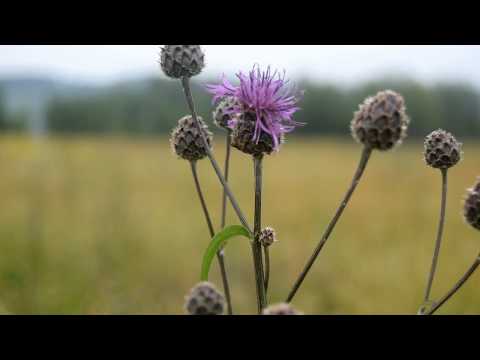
281,309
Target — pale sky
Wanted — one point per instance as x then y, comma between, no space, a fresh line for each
102,64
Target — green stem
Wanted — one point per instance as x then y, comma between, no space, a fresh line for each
367,152
457,287
220,256
256,245
231,197
439,236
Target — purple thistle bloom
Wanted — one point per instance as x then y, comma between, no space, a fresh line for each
266,95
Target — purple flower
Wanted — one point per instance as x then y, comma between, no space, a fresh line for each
265,94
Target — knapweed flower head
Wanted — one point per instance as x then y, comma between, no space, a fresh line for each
178,61
381,122
442,150
472,206
204,299
266,102
281,309
186,140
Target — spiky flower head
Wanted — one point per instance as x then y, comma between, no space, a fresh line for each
265,106
381,122
281,309
178,61
267,237
442,150
472,206
205,299
186,140
224,115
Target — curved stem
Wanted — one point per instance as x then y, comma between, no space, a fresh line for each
256,245
266,253
236,207
439,236
457,287
367,152
220,256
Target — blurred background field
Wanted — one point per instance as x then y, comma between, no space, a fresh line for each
93,225
97,216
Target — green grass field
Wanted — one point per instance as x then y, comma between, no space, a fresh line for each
102,226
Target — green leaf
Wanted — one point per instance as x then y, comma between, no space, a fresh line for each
217,243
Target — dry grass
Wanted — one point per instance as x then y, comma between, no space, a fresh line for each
114,226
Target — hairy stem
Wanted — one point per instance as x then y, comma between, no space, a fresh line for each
367,152
231,197
220,256
256,245
439,236
457,287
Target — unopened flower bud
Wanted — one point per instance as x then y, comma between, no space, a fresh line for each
442,150
187,141
267,237
472,206
178,61
281,309
205,299
381,122
224,113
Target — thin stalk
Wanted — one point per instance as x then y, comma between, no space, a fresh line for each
220,257
256,245
228,152
439,236
221,254
457,287
366,154
231,197
266,253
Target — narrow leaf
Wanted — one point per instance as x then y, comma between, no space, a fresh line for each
217,243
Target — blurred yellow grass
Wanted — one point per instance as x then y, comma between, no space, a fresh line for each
113,225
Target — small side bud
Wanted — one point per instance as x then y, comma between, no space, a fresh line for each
281,309
205,299
267,237
179,61
186,140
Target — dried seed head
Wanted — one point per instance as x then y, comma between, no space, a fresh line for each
178,61
186,140
472,206
442,150
243,136
381,122
267,237
281,309
225,112
205,299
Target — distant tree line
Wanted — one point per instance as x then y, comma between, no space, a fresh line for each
155,107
